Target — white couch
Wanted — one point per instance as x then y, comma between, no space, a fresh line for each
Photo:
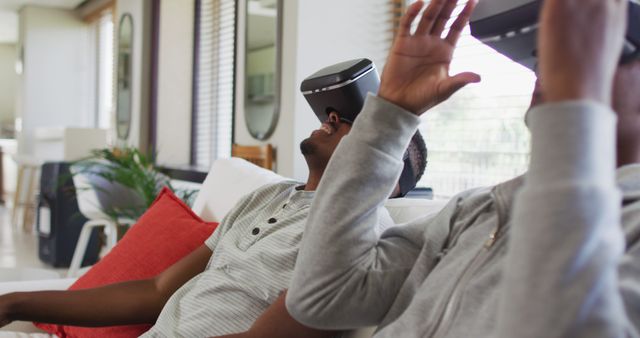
236,178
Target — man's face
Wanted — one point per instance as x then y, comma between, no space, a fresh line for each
323,141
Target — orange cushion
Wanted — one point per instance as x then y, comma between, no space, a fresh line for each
167,232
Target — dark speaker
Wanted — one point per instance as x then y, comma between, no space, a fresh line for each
511,28
59,220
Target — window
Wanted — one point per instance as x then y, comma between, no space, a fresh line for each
105,70
478,137
214,81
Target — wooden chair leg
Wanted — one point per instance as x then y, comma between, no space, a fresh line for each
32,203
17,197
29,200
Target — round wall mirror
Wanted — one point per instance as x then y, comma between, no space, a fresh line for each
262,69
123,94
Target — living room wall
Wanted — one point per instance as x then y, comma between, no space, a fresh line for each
8,57
315,34
52,90
305,49
175,79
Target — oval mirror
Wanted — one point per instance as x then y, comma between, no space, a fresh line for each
123,93
262,69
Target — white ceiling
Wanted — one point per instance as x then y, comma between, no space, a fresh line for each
14,5
9,14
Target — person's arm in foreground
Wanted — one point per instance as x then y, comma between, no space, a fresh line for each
276,322
345,276
137,302
567,242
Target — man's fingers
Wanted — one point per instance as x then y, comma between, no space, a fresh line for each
579,44
445,15
430,15
461,22
408,17
457,82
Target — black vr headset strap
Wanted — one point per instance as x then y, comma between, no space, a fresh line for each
407,178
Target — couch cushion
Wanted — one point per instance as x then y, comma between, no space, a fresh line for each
236,178
167,232
405,210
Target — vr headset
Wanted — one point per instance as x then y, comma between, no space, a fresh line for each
342,88
511,28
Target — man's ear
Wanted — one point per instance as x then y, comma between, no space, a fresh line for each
334,117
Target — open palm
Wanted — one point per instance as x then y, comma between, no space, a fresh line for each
416,76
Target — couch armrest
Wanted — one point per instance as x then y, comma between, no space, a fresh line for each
37,285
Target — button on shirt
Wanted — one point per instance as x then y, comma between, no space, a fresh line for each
254,253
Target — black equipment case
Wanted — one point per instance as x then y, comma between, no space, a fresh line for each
59,220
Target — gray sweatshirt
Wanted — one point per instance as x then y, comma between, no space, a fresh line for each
543,255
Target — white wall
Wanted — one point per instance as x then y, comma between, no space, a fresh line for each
355,31
9,82
175,79
316,34
53,88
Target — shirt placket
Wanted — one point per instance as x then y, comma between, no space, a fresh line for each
262,224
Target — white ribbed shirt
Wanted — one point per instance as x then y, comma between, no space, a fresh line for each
254,253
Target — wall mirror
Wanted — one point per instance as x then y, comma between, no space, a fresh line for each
262,68
123,93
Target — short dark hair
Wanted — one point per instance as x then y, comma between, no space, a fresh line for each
417,152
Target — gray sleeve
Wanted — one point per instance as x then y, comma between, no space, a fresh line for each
561,277
630,283
346,276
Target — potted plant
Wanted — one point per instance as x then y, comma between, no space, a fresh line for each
126,181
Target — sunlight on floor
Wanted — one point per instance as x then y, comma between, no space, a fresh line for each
17,248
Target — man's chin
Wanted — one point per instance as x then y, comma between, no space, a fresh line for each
307,147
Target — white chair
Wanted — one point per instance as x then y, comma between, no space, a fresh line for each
89,188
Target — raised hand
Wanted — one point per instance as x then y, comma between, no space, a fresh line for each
580,44
626,104
416,76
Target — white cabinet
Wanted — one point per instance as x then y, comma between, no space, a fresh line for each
67,144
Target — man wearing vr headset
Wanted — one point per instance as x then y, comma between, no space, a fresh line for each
555,253
238,272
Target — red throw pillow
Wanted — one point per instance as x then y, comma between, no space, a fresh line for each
167,232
